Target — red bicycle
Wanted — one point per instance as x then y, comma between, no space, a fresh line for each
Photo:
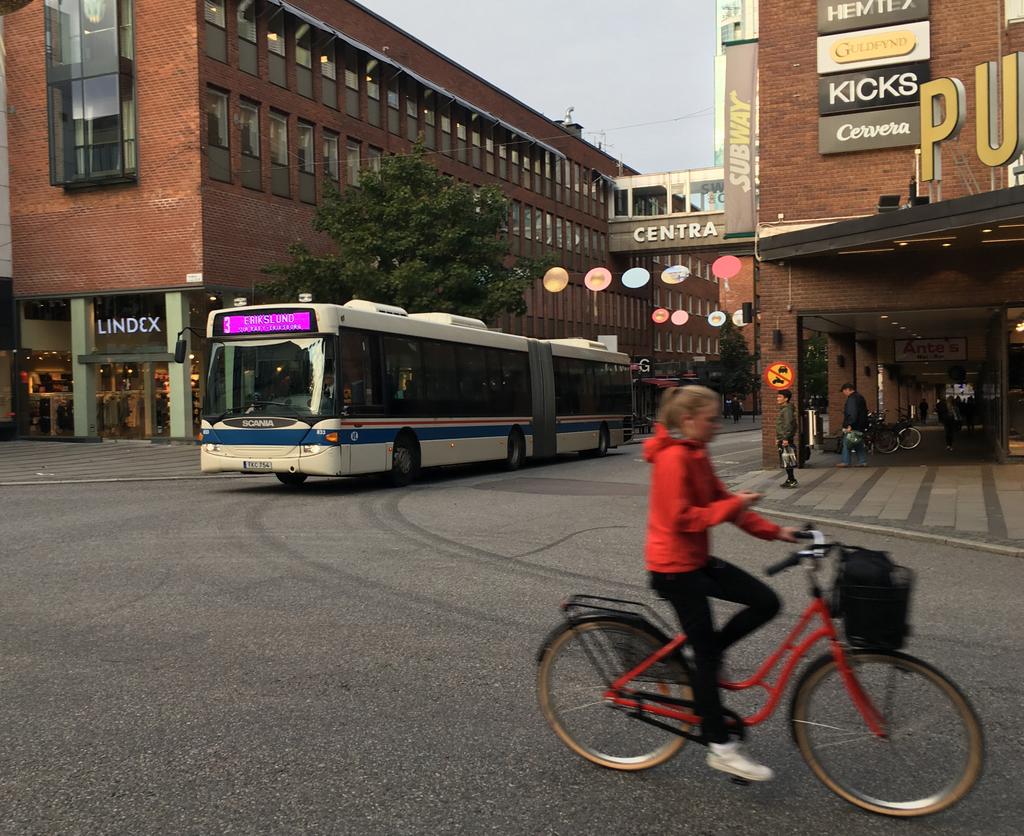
880,728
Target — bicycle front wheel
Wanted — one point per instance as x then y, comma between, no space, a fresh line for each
573,677
931,754
886,441
909,438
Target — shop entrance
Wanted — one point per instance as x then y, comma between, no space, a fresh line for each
132,400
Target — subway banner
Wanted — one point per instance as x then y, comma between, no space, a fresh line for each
740,134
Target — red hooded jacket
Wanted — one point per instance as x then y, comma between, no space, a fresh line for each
686,500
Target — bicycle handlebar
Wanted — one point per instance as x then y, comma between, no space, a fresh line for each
819,550
784,564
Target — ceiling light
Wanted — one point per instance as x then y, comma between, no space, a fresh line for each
987,229
947,245
1002,240
885,316
894,322
1010,226
902,243
857,252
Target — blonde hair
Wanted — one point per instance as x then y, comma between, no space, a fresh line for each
684,402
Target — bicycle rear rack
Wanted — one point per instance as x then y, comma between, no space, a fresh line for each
581,606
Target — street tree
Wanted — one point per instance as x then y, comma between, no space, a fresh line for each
736,362
412,237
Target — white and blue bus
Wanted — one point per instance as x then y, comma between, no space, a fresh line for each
338,390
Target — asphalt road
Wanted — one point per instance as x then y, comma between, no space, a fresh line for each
234,657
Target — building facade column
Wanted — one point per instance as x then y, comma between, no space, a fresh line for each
866,379
178,373
83,332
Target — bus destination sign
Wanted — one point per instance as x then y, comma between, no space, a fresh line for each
265,322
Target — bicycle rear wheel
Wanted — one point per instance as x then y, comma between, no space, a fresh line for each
931,755
886,441
909,438
571,686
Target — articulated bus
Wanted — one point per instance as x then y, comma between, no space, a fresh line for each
338,390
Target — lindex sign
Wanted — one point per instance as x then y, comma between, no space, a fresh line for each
847,15
872,89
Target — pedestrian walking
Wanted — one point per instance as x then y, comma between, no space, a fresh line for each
855,424
785,436
922,411
950,418
737,409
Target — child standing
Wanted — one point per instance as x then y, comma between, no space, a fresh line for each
686,500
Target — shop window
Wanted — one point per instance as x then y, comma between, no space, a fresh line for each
307,164
276,67
279,178
329,74
351,82
304,59
218,154
352,163
216,33
249,132
650,200
332,170
373,91
90,74
248,59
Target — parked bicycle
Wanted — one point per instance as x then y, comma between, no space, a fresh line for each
879,436
882,729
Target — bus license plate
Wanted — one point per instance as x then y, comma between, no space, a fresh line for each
257,465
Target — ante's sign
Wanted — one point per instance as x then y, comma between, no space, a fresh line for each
874,48
944,107
872,89
844,15
922,350
129,325
891,128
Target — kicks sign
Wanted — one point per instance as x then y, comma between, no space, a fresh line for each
920,350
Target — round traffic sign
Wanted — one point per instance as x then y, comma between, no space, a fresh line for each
779,375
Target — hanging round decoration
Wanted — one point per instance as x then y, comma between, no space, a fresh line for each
676,274
726,266
556,279
635,277
737,318
660,316
717,318
598,279
680,317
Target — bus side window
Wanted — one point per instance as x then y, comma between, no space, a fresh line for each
360,388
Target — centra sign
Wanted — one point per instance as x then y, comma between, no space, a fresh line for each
668,232
129,325
944,108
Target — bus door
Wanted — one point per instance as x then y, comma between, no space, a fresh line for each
362,395
542,377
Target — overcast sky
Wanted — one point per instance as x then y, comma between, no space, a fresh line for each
622,65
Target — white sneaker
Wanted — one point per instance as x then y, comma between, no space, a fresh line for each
730,757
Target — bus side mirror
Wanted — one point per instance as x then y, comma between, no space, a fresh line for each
180,351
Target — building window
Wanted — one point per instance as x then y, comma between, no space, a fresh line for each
216,34
394,117
460,136
679,343
657,340
474,135
307,164
304,60
373,156
352,163
218,154
412,111
515,218
429,119
528,222
245,20
351,81
276,49
513,171
90,74
373,91
332,170
279,181
559,240
249,119
329,74
649,200
526,168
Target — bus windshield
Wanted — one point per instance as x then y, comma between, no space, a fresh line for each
284,377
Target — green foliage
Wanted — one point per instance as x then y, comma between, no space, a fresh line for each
409,236
815,367
737,363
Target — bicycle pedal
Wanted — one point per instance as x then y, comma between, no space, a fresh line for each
739,782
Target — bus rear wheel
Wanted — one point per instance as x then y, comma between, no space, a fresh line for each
516,450
292,480
603,443
405,461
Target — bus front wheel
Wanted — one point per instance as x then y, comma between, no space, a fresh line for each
292,480
405,461
603,443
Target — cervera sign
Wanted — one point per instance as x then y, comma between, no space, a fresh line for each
872,89
921,350
844,15
867,131
874,48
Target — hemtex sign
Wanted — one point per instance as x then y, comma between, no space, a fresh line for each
129,325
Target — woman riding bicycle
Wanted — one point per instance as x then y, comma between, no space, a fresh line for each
686,500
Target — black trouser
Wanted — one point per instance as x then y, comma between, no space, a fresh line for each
689,594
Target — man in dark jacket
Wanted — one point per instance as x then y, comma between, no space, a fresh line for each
855,418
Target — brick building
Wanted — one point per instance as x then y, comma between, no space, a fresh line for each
893,272
163,153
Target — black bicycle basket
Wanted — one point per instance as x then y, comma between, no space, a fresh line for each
872,595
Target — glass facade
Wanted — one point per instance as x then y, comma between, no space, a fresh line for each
90,76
